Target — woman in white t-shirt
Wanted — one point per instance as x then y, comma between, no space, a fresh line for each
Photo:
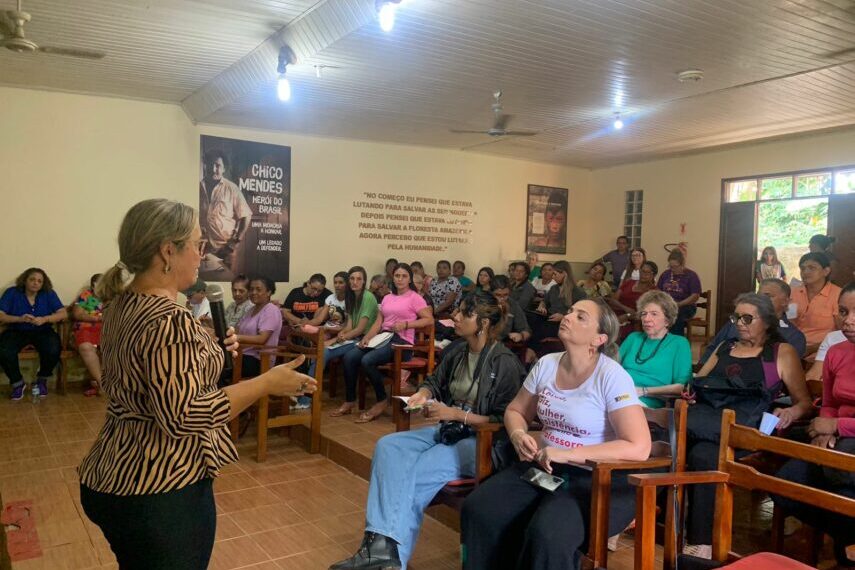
589,409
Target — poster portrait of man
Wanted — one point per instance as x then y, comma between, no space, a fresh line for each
546,219
244,203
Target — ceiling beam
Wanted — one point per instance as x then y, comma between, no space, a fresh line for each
326,23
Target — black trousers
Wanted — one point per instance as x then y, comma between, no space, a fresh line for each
44,339
840,527
164,531
507,523
684,314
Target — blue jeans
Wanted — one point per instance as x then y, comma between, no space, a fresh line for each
329,354
369,359
407,471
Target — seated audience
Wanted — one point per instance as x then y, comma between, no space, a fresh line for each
835,429
832,338
332,311
419,269
445,289
821,243
632,272
391,263
595,285
458,270
543,282
618,258
815,300
588,407
302,303
748,362
87,313
522,291
361,310
419,283
625,301
400,312
379,287
779,293
472,385
684,286
515,328
261,325
532,259
240,304
485,279
197,302
768,266
546,318
28,309
659,362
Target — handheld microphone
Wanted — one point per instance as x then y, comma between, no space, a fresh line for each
218,315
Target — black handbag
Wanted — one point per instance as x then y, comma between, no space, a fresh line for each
714,394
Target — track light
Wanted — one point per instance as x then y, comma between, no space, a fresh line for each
386,13
283,86
618,124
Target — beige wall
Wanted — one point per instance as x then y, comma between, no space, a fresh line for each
688,189
74,164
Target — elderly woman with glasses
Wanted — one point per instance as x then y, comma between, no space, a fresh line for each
758,359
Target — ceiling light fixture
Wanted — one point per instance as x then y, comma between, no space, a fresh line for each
283,86
618,124
386,13
690,75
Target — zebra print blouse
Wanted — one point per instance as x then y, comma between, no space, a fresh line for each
167,422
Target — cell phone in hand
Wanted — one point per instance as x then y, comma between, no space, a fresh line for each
542,479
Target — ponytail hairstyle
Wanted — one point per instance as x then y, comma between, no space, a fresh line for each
147,225
352,300
609,326
484,305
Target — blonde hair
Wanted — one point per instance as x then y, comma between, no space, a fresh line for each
608,325
145,227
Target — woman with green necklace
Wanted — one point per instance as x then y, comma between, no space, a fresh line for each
659,362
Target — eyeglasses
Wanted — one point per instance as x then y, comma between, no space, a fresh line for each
744,319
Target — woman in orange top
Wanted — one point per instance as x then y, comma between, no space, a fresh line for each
816,300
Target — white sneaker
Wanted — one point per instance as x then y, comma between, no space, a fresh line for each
699,550
613,543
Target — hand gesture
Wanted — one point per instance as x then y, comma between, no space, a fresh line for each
231,342
822,426
419,399
556,317
38,321
441,412
786,416
400,326
515,337
364,342
284,380
824,441
546,457
27,318
541,308
525,445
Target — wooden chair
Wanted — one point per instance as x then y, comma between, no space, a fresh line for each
732,474
704,302
421,364
313,348
670,454
67,351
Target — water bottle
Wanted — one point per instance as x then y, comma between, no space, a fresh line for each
36,398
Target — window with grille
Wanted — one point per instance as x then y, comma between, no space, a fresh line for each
632,217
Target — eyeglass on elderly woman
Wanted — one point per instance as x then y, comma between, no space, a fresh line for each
198,246
745,319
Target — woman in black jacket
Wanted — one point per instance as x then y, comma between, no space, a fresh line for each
472,385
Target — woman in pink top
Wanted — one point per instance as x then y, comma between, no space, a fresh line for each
400,313
260,325
816,300
834,428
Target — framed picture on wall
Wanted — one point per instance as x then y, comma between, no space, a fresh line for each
546,219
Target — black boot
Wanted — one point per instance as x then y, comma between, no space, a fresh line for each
377,552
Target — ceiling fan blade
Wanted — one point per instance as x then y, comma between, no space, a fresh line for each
521,133
460,131
73,52
6,30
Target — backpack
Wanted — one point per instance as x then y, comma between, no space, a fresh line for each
748,398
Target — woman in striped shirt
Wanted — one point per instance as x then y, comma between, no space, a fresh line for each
147,481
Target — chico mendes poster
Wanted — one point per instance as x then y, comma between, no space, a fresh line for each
244,208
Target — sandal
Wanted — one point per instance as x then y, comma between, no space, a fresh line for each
92,391
344,410
367,416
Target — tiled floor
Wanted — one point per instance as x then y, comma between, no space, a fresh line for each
295,511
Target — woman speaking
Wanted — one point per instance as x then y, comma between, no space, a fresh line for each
147,481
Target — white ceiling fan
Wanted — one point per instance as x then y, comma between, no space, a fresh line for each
12,38
500,123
